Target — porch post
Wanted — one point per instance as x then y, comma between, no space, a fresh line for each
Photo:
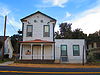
41,50
52,51
21,51
31,51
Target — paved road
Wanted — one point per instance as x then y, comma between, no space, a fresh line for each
48,71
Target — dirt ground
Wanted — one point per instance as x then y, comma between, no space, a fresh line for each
54,65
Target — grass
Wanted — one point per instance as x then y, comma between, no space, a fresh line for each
5,60
97,62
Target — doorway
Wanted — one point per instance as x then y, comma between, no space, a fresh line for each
64,57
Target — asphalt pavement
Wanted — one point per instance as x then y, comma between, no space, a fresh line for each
7,70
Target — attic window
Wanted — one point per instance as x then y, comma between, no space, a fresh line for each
35,21
41,21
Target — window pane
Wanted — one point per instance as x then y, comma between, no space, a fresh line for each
63,47
63,50
29,28
64,53
76,47
46,28
46,31
76,51
64,59
29,33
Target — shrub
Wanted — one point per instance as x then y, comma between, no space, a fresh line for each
90,58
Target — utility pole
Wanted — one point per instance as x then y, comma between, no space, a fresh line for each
4,38
83,56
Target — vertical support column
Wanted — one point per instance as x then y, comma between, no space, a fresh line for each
21,51
41,50
43,53
31,51
52,51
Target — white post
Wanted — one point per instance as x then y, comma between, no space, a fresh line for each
41,50
52,51
20,50
31,50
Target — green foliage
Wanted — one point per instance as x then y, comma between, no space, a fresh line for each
1,44
67,33
65,30
90,58
5,60
95,37
15,42
78,34
57,35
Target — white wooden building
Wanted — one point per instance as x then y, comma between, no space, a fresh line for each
39,43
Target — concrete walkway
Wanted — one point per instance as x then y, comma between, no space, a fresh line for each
6,63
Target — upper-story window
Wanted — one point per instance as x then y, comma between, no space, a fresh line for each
46,31
29,31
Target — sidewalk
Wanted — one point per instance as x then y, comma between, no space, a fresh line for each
54,65
6,63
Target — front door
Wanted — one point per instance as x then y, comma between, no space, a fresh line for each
37,52
64,57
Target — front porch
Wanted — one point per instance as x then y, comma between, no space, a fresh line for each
37,51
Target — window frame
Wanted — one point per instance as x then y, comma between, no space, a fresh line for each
45,32
78,50
27,31
61,50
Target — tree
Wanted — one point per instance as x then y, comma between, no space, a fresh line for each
65,30
57,35
67,33
95,37
78,34
15,41
1,44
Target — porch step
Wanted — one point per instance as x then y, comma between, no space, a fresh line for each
35,61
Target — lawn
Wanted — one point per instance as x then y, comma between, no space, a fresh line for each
5,60
97,61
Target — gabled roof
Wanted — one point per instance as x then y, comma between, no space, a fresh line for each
36,13
36,41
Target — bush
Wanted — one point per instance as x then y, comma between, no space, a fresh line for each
6,56
90,58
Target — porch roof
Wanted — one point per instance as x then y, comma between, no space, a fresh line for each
36,41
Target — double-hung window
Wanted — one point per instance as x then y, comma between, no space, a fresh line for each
46,31
76,50
29,31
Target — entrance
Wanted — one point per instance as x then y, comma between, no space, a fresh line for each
64,57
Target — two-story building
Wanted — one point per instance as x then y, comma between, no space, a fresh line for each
39,42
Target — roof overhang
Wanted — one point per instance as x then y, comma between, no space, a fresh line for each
37,41
23,19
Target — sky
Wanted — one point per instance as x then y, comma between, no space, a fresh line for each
84,14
